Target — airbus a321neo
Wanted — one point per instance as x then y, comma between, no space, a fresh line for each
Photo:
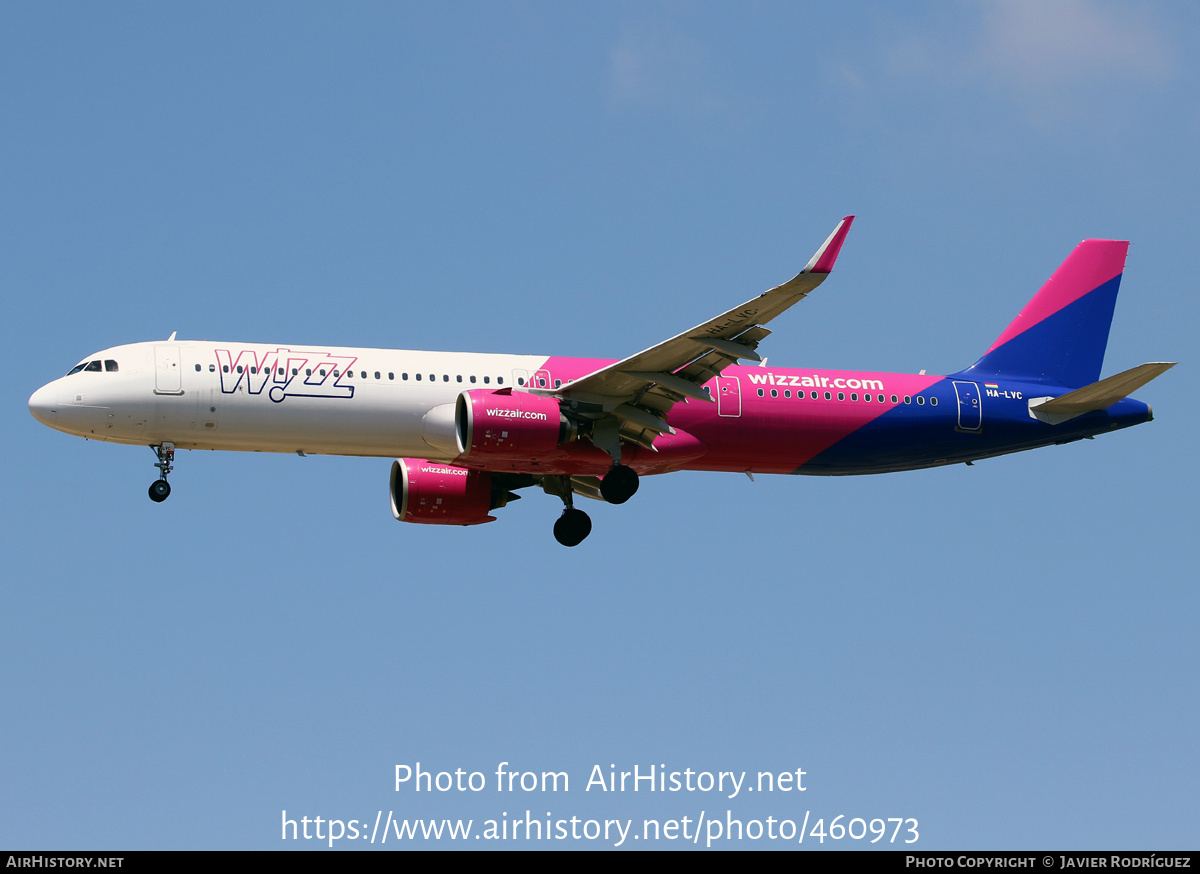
468,430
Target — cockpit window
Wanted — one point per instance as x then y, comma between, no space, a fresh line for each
93,366
110,366
77,368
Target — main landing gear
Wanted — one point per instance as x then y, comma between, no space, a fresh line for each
160,489
573,526
619,484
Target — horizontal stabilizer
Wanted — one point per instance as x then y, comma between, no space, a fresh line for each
1100,395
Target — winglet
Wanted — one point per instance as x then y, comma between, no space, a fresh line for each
822,262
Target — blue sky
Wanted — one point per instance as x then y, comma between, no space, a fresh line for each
1006,652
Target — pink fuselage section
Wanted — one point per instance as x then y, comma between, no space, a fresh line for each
776,431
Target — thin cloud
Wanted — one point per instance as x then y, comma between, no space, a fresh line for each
1058,60
1032,43
651,69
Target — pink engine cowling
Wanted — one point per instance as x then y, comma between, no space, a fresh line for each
509,424
440,494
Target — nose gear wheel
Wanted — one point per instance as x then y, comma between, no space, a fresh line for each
160,489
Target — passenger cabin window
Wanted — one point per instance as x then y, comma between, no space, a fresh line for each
197,368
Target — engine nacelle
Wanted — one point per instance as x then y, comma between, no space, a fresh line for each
509,424
440,494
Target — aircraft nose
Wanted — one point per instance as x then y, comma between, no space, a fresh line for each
43,404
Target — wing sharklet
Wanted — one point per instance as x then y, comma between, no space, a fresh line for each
826,256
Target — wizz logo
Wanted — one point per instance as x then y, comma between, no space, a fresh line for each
285,373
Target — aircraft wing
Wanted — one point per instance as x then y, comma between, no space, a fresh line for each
639,390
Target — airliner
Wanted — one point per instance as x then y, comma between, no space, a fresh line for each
468,430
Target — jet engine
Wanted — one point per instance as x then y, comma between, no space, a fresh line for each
443,494
509,424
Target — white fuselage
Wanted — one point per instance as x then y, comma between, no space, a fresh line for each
271,398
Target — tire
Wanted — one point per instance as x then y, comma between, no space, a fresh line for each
619,484
572,527
160,490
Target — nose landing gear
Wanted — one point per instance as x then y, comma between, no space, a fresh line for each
160,489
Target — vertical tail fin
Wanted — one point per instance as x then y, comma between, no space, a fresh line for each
1061,334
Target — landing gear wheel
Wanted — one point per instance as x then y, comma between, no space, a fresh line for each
160,488
572,527
619,484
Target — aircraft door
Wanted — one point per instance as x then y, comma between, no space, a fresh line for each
729,396
168,375
541,379
970,414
